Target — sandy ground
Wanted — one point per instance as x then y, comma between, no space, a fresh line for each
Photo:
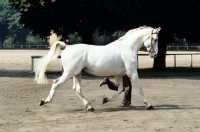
175,99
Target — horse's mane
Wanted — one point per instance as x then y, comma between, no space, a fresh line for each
132,31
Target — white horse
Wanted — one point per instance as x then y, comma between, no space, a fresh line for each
115,59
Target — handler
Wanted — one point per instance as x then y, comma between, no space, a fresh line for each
126,102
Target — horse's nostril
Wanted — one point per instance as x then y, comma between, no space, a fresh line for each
154,55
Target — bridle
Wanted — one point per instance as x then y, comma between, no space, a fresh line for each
151,40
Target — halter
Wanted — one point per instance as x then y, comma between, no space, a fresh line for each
151,40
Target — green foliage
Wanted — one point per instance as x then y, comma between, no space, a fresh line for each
118,33
4,23
9,24
83,16
35,40
177,18
11,31
9,41
73,35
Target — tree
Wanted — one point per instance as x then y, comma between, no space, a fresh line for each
83,16
4,23
176,18
15,29
9,24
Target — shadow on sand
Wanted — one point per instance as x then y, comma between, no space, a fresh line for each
157,107
137,108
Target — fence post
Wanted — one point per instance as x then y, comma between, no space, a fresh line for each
174,60
190,60
32,64
137,62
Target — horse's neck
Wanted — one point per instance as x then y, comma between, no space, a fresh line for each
134,42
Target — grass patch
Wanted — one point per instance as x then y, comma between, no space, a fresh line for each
179,71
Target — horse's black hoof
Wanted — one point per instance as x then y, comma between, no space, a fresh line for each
90,109
42,102
105,100
105,81
150,107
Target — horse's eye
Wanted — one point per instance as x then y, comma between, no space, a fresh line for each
156,40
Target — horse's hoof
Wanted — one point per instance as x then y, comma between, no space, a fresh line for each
150,107
42,102
90,109
105,100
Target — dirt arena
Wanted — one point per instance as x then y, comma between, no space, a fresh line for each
176,100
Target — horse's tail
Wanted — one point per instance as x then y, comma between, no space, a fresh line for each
44,62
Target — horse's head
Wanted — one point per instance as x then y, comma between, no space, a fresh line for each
151,42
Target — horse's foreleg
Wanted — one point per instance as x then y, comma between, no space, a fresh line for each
136,82
119,82
55,85
77,89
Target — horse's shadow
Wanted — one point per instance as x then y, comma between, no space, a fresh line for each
156,107
135,108
15,73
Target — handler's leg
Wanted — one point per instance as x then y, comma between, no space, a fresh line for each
120,90
111,85
126,102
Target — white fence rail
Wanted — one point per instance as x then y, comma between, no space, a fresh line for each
183,47
27,46
175,57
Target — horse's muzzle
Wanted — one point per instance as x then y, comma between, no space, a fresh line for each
153,55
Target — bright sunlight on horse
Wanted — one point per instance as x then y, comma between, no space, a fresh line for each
115,59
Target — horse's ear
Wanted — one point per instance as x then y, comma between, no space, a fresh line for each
158,29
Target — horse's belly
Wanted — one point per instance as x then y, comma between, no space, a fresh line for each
104,71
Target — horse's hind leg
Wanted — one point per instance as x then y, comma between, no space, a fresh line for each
77,89
55,85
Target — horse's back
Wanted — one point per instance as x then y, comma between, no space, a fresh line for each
96,60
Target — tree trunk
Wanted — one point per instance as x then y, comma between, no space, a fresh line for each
159,61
